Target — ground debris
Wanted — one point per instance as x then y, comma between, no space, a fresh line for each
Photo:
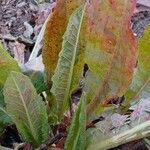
21,21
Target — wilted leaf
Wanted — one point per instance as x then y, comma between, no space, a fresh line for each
62,79
112,124
138,132
115,124
116,127
140,86
76,138
54,32
110,59
26,108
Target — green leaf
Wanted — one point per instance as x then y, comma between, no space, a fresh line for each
140,86
26,108
4,119
7,64
62,79
38,80
76,138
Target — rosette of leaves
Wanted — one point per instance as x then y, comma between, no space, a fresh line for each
96,35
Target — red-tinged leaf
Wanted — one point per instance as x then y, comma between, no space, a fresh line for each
102,46
111,50
54,32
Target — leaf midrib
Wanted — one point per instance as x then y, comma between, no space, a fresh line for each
74,57
26,110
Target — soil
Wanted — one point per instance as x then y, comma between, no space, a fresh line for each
14,14
21,21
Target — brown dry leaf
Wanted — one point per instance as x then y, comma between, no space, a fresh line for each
19,51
